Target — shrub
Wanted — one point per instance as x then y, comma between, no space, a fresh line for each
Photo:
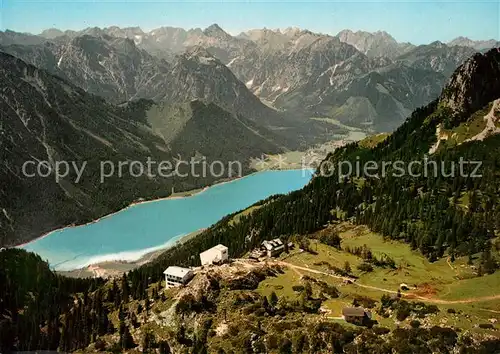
380,330
365,267
402,313
486,326
330,290
364,301
115,348
332,239
100,345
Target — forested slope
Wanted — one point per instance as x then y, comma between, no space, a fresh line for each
32,300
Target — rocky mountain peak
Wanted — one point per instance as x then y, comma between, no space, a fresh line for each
376,44
51,33
135,29
197,51
291,31
10,37
91,45
127,32
438,44
385,35
93,31
478,45
363,35
474,83
216,31
460,39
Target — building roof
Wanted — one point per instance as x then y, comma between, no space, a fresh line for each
219,247
177,271
353,311
273,244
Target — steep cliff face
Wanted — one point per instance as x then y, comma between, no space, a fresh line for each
474,84
111,67
10,37
45,119
437,57
116,69
199,75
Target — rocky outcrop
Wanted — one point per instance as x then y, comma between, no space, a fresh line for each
474,84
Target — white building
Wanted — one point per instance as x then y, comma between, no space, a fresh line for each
216,254
177,276
273,247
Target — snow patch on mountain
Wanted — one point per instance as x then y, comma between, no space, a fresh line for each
7,216
207,60
382,89
137,39
232,61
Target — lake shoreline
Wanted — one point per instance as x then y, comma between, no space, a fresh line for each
114,213
179,195
121,260
116,268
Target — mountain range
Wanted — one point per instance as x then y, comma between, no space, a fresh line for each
451,219
367,80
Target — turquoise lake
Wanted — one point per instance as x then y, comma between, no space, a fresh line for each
143,228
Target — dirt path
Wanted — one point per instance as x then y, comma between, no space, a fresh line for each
449,264
407,295
464,301
293,266
448,261
488,310
352,280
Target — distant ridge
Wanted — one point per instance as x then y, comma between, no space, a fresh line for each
365,80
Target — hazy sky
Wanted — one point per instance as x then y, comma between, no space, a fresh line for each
414,21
